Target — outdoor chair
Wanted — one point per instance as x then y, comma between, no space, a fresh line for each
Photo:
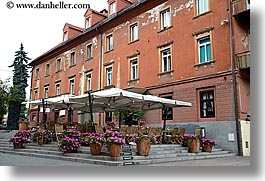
33,125
99,129
131,130
123,128
181,133
151,130
172,137
198,131
58,130
158,134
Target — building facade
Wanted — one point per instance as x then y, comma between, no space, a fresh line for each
190,50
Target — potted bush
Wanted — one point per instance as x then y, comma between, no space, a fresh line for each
208,144
20,138
69,145
84,139
193,142
113,141
143,143
95,143
43,136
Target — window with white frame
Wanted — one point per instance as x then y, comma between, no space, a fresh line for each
47,72
109,43
46,92
72,86
204,50
58,63
57,89
88,22
112,8
37,73
89,51
207,107
109,76
72,58
89,81
134,32
134,69
36,94
202,6
165,60
165,19
65,36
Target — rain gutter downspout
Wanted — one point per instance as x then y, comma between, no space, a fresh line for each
234,92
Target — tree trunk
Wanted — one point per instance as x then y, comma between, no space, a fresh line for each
13,115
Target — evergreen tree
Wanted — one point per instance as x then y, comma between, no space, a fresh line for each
18,92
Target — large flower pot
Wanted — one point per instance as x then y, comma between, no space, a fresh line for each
207,148
193,145
40,140
18,145
115,150
143,147
23,126
95,149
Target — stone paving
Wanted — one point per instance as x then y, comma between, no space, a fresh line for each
17,160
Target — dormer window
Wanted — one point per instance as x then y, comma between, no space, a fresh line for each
112,8
65,36
88,22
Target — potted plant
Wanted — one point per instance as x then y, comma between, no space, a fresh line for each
69,145
114,140
84,139
143,143
43,136
23,125
20,138
208,144
95,143
142,124
193,142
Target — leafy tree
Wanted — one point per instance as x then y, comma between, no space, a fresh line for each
4,89
18,92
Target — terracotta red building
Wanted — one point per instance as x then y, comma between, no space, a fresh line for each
190,50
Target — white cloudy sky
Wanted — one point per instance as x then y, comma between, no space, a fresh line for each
38,29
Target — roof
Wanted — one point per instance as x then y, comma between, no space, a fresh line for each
73,27
118,16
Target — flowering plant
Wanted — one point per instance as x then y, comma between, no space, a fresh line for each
21,137
84,139
141,122
184,139
208,141
46,134
114,137
96,138
138,137
67,144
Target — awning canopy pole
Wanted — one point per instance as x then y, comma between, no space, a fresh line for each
91,112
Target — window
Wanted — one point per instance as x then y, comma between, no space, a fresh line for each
204,50
109,76
134,69
165,19
167,113
73,58
57,89
88,22
72,86
166,60
134,32
37,73
89,51
112,8
58,63
47,70
202,6
36,94
46,92
89,82
109,43
207,109
65,36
